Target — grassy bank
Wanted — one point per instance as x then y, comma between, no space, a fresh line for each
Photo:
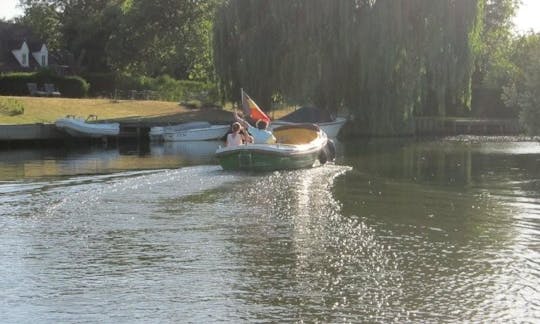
47,110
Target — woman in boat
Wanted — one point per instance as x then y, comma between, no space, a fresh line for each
260,133
238,136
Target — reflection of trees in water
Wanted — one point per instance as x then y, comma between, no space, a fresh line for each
449,163
307,260
450,210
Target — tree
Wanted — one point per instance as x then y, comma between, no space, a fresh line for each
493,67
43,19
81,29
163,37
523,90
135,36
384,60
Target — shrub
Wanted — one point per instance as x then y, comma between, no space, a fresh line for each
72,86
118,85
11,107
14,84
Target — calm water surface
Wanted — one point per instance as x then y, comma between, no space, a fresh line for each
394,231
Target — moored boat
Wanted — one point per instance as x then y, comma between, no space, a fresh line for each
79,127
156,132
329,124
298,146
200,133
331,128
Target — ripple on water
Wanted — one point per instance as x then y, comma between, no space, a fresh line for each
328,244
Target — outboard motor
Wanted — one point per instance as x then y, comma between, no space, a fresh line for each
331,150
328,153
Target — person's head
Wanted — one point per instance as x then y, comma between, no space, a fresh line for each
235,127
261,124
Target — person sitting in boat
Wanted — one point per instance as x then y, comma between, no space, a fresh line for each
247,136
260,133
237,136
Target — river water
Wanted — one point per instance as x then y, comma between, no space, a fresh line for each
393,231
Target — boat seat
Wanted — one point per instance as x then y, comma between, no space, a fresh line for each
294,136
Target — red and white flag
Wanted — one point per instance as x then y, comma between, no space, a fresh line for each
252,110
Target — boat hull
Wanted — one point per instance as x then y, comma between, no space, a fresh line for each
330,128
253,160
79,128
156,132
199,134
280,156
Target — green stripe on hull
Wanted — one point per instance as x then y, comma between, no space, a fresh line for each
254,161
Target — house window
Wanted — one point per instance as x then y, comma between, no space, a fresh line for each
24,59
43,60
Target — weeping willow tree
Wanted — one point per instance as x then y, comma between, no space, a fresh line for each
384,60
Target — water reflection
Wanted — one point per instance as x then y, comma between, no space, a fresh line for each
201,152
395,231
463,217
63,161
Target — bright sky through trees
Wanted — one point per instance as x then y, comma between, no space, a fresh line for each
527,16
525,20
9,9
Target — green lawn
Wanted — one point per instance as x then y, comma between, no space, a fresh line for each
47,110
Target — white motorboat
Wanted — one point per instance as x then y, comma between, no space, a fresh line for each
327,122
199,133
331,128
156,132
297,146
79,127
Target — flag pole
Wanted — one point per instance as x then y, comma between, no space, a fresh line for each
242,109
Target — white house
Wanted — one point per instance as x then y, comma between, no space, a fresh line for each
20,51
23,55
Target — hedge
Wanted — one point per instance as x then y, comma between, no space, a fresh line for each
15,84
165,87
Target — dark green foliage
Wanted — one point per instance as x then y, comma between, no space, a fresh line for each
72,86
163,37
139,37
164,87
493,65
15,84
522,92
385,61
44,20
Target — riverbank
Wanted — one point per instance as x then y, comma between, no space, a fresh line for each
47,110
136,117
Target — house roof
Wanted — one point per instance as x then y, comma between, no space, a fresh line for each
12,37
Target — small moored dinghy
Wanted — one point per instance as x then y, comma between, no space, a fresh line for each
79,127
298,146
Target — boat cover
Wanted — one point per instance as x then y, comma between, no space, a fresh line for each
309,115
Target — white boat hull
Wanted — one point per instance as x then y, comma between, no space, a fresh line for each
213,132
156,133
78,127
330,128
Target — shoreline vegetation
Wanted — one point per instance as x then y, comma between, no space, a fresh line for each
148,113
